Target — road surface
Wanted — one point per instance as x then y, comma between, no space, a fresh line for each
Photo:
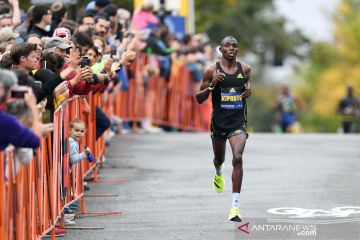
294,187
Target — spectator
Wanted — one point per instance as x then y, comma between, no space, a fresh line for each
144,18
24,57
97,6
86,22
6,61
24,28
69,24
6,35
77,131
101,26
12,131
42,18
60,13
35,39
83,40
58,46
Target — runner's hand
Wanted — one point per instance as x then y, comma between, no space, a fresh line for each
246,93
217,77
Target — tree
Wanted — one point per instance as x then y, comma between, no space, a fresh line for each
332,68
254,23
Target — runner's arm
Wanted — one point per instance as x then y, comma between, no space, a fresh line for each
204,92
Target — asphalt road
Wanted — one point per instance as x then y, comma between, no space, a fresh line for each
294,187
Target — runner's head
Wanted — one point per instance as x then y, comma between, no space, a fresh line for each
229,48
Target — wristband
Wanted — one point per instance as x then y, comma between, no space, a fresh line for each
210,88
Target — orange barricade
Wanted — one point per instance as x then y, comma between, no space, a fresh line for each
33,196
169,103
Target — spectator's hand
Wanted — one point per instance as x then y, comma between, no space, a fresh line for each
107,64
115,66
30,99
86,74
217,77
13,2
46,128
61,88
127,56
87,150
102,76
86,109
67,40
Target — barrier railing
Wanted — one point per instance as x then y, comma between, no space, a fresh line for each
169,103
33,196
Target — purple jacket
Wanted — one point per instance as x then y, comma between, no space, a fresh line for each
13,132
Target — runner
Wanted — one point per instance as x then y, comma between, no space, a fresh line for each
228,81
286,106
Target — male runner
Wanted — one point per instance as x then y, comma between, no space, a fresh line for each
227,81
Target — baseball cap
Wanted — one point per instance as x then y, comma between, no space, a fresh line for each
102,3
62,32
56,42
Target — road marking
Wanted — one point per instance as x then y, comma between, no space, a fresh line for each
337,212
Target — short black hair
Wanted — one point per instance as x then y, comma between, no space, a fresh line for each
110,10
59,9
83,39
21,50
100,16
81,18
38,12
226,38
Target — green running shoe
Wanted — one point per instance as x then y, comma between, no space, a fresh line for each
219,182
235,215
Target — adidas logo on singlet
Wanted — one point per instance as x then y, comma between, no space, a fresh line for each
232,90
240,76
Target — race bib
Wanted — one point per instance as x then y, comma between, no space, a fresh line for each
231,98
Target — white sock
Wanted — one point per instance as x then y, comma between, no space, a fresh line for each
236,199
219,172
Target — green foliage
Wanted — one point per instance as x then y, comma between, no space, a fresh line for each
253,23
331,69
261,108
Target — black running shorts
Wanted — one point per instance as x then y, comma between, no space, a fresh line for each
223,135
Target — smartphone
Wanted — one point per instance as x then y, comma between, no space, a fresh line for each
19,92
113,51
85,61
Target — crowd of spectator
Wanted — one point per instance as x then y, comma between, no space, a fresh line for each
47,58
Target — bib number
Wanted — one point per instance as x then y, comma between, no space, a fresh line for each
231,99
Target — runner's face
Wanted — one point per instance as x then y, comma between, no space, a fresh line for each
229,49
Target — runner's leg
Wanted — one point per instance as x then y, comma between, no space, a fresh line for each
219,148
237,144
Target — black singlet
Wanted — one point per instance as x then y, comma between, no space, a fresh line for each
229,109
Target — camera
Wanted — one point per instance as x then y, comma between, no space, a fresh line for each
85,61
19,92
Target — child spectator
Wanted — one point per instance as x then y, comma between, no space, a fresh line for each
77,131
